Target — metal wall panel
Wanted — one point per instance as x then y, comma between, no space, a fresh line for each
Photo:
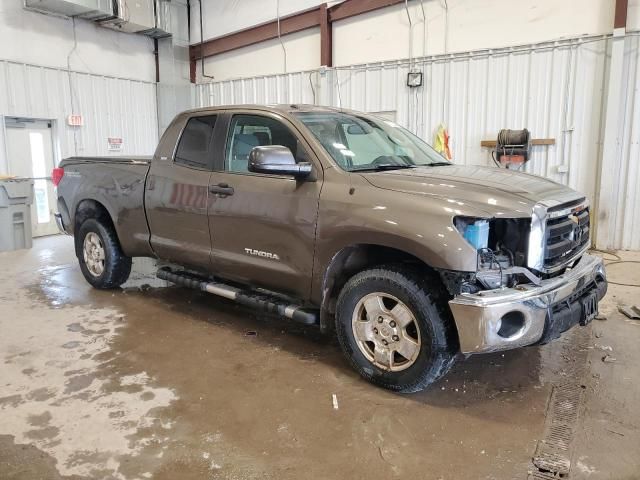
555,89
111,107
175,90
285,88
479,93
475,94
627,210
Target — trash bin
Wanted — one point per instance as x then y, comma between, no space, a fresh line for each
16,197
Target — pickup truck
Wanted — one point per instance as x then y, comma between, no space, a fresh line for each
346,221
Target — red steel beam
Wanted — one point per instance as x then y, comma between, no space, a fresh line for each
289,24
193,71
351,8
620,16
326,37
260,33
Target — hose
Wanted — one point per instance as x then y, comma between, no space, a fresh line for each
618,262
493,156
607,252
202,43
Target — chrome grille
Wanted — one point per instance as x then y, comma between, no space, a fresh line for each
565,237
559,234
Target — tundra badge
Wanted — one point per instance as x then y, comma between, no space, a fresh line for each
260,253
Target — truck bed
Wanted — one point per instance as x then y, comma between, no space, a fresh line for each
116,183
118,160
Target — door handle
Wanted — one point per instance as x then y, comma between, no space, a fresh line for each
221,190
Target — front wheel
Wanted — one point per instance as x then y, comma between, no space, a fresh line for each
393,326
101,259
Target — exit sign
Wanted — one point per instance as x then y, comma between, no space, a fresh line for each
75,120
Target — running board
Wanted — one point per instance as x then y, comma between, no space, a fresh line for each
257,301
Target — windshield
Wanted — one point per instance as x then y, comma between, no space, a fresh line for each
357,143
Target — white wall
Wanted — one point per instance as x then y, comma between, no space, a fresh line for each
633,15
221,17
302,53
471,25
475,96
622,226
38,39
555,90
110,82
384,34
111,107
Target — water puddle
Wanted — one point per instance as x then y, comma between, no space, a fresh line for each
60,385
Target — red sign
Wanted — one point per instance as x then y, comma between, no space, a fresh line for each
75,120
115,144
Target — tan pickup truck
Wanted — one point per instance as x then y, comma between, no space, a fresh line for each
346,221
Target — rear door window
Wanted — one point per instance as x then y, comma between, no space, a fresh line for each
195,147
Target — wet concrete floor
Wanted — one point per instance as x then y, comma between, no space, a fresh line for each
157,381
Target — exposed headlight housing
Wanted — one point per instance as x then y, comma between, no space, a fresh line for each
474,230
499,263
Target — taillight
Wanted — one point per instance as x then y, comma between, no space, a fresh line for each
56,175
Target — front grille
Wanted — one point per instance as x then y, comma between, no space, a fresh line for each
565,236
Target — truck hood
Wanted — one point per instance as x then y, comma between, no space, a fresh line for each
492,190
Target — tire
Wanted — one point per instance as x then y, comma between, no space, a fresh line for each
110,268
428,339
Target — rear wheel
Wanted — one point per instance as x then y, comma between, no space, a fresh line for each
394,328
101,259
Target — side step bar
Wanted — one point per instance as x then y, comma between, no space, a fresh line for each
257,301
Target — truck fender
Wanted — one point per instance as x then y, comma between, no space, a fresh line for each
350,260
90,208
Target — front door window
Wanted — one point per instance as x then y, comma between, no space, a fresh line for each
249,131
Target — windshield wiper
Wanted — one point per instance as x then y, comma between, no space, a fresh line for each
438,164
382,167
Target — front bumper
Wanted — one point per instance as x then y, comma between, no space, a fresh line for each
530,313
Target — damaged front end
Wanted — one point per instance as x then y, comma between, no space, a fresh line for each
501,255
506,303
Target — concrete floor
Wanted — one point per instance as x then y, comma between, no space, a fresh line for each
162,382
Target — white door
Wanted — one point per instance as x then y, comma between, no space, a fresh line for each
30,155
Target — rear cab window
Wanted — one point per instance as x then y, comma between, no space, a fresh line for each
195,148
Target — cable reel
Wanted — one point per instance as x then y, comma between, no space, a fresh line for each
513,148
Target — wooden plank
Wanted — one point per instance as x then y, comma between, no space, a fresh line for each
535,141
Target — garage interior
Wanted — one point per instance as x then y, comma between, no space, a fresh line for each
154,380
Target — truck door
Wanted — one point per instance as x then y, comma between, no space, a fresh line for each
177,195
263,226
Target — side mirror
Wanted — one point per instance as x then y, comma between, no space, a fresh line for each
276,160
355,129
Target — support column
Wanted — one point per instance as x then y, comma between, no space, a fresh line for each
608,186
326,37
